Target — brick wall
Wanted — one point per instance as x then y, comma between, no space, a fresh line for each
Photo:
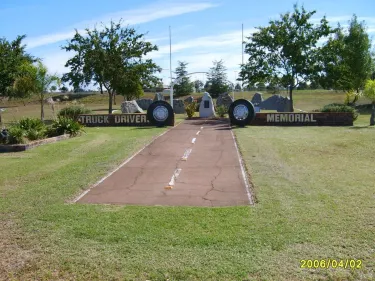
303,119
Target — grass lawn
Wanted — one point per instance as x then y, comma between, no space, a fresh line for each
315,199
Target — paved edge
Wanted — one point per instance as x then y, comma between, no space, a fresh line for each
77,198
245,177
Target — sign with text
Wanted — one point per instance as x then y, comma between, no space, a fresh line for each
303,119
113,120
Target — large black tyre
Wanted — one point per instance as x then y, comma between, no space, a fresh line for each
160,113
241,112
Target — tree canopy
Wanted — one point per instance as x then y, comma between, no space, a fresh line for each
285,52
13,59
184,86
112,58
347,61
217,82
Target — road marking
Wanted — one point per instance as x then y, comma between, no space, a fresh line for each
201,128
173,179
186,154
121,165
198,133
245,179
193,140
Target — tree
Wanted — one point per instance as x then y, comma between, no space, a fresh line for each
238,87
369,92
13,58
34,79
198,84
261,86
285,52
53,88
184,86
113,59
347,59
63,89
217,82
302,86
314,85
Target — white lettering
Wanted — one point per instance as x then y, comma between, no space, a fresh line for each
312,118
307,118
298,117
291,117
132,118
88,119
106,119
117,119
283,118
277,117
138,119
143,119
270,118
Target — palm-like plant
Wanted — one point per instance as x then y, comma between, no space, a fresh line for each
35,79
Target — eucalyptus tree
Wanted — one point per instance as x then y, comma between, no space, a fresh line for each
112,58
285,52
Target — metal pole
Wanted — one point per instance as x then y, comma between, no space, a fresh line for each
242,43
170,66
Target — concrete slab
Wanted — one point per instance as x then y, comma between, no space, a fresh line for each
210,176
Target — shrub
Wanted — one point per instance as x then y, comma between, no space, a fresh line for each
73,111
16,135
336,107
64,125
28,124
221,110
190,108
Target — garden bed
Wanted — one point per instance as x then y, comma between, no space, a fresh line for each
26,146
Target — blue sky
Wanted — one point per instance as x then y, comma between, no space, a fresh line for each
202,31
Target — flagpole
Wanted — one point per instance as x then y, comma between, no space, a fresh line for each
170,67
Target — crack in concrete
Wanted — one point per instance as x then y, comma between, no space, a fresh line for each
212,184
136,178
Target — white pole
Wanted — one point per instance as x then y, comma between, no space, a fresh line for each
170,66
242,43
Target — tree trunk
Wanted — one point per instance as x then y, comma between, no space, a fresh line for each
110,96
114,98
42,107
372,118
291,98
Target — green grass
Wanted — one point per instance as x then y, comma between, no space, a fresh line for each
315,199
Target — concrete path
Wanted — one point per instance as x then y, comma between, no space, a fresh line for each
194,164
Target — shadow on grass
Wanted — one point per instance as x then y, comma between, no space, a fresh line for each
362,127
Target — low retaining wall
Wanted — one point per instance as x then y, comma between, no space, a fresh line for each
23,147
116,120
303,119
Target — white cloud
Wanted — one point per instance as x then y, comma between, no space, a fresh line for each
137,16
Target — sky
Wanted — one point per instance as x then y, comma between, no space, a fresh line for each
201,31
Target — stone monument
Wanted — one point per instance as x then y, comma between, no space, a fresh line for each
257,99
144,103
224,99
159,96
206,108
130,107
178,106
276,102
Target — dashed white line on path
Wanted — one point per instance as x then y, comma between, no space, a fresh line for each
198,133
201,128
186,154
193,140
173,179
